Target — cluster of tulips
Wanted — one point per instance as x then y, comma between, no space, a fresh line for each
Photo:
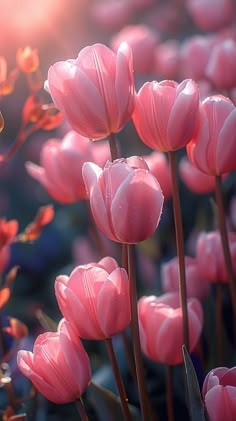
97,96
125,200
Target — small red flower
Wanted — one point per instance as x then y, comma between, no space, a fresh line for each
8,231
34,229
7,81
27,59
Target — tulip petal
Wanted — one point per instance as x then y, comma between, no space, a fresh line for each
136,207
24,362
108,263
113,308
217,404
183,115
91,174
225,155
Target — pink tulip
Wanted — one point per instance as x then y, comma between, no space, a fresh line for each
210,15
111,15
205,88
142,41
213,146
210,258
159,166
196,181
166,59
197,286
166,113
168,17
58,366
60,172
222,77
125,198
219,394
194,56
95,299
161,331
95,91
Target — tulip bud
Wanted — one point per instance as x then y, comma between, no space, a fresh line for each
125,198
166,114
95,299
95,92
58,366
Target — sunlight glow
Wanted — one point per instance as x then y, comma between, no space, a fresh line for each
27,15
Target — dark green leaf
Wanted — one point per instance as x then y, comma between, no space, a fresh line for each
195,400
106,404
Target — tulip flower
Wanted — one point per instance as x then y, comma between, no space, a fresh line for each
219,394
210,257
95,299
111,15
210,15
166,113
197,286
58,366
194,179
125,198
95,91
161,330
166,59
223,52
194,56
142,41
60,172
212,148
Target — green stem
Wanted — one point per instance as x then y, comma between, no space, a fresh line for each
179,246
225,244
169,393
80,408
126,342
129,356
145,408
124,256
113,146
219,324
119,382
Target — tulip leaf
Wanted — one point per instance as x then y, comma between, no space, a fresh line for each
195,400
106,404
46,322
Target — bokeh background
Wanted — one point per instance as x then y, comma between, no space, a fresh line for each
59,29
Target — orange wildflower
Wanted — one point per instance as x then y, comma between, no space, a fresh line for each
27,59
